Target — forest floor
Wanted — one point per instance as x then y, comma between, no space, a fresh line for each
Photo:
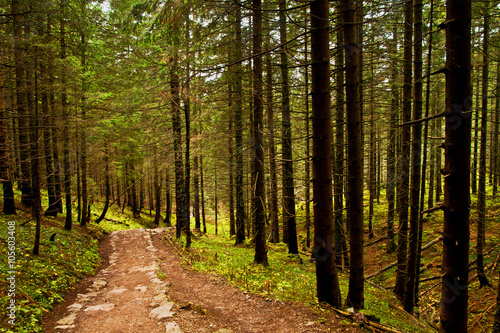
141,286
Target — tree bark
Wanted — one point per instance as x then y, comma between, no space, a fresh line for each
496,128
338,172
157,189
423,177
411,272
455,265
196,188
238,124
187,164
9,206
134,201
202,180
273,182
83,145
232,221
258,140
20,54
372,168
327,285
405,154
352,27
168,211
481,188
391,146
65,130
47,137
35,154
475,158
178,163
307,160
286,142
107,184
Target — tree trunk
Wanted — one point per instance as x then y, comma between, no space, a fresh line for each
405,154
216,206
83,146
496,128
392,146
327,285
411,272
258,140
78,180
22,104
439,182
203,217
118,192
352,27
273,182
141,190
157,189
232,225
455,266
9,206
286,141
342,256
168,211
307,160
372,181
196,187
475,158
187,164
180,186
238,124
107,184
424,159
65,130
47,144
136,207
481,195
35,154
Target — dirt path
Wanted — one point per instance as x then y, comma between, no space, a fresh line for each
141,287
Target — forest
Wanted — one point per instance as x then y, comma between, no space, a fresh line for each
362,136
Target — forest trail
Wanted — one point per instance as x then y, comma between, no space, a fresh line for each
141,286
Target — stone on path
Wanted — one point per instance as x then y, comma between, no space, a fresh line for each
151,268
172,328
101,307
162,311
68,320
64,327
74,307
98,284
117,291
141,288
86,297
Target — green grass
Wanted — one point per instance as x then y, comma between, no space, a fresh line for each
288,278
42,280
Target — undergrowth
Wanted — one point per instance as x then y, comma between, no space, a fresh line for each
288,278
42,280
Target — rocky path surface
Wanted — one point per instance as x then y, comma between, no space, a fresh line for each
127,295
142,287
